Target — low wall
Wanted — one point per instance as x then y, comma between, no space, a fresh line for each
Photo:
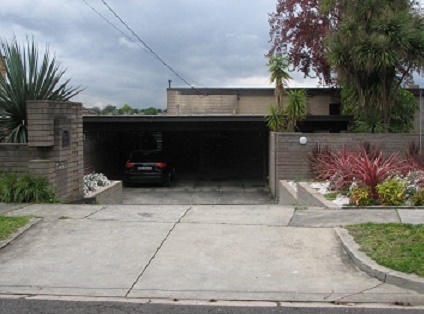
54,149
111,194
15,157
288,156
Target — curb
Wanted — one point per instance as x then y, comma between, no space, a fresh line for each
20,231
369,266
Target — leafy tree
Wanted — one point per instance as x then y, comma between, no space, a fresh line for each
28,77
109,109
376,47
96,110
151,111
279,76
298,29
127,109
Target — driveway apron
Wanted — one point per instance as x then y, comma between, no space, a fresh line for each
213,252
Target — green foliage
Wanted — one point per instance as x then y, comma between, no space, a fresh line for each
9,225
376,47
418,198
151,111
275,120
403,112
279,76
392,192
296,109
331,196
127,108
361,196
25,188
29,76
286,119
109,109
397,246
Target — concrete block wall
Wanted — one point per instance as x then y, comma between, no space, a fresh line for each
179,104
290,156
54,149
15,157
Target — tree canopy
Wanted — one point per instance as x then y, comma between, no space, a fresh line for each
369,47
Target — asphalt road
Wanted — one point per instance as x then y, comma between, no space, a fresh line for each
25,306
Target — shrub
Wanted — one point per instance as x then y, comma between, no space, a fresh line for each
360,195
418,198
392,192
366,165
25,188
414,158
318,154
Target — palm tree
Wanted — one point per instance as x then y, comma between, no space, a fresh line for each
376,47
28,77
278,68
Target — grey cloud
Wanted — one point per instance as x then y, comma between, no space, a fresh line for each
208,42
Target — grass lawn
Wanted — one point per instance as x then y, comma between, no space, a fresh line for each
396,246
9,225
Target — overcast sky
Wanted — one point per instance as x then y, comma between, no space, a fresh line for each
215,43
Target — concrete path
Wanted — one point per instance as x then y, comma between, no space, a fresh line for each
195,192
246,252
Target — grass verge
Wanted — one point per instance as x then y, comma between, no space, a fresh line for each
9,225
396,246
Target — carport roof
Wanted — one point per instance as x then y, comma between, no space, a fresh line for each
175,123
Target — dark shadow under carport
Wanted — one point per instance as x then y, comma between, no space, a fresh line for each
200,147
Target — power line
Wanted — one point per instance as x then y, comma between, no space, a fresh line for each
149,49
111,24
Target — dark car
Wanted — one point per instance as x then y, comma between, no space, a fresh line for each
147,166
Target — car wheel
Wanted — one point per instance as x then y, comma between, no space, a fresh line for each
126,184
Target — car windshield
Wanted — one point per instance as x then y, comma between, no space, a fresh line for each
147,156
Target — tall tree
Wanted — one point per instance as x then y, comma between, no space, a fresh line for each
29,76
377,45
298,30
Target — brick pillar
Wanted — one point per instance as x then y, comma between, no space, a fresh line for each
55,130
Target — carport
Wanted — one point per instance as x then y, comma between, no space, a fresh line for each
206,147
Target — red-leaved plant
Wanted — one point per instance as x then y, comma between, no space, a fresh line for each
414,157
365,165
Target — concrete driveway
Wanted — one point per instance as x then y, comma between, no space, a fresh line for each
194,252
201,192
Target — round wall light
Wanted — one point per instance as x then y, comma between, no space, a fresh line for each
303,140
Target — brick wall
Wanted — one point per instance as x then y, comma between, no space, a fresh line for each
15,157
290,156
54,149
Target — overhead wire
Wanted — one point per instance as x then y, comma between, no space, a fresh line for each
116,28
145,46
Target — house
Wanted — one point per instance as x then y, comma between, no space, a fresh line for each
208,133
324,105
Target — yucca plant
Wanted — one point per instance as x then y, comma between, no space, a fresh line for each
29,76
296,109
279,76
276,120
